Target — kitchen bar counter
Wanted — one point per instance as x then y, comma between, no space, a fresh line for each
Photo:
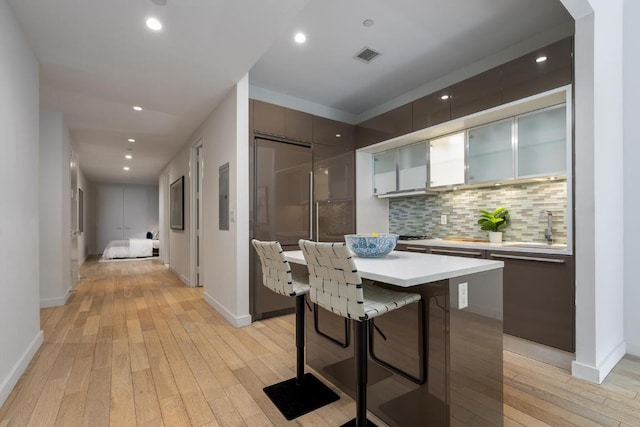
462,370
528,247
407,269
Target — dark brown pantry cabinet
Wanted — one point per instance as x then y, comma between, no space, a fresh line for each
385,126
539,297
271,119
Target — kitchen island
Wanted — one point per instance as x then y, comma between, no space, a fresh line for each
440,369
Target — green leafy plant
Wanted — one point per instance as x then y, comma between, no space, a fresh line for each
497,220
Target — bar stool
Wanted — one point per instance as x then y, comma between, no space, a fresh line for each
304,393
336,286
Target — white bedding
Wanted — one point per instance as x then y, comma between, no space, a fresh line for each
132,248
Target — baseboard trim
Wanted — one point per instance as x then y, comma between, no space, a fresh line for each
184,279
237,321
633,349
597,374
55,302
540,352
18,369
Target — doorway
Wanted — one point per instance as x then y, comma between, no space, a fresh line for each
197,178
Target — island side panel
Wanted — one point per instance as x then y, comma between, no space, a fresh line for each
475,350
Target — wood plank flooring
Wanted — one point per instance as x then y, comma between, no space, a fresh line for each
134,347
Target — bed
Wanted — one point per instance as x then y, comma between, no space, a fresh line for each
132,248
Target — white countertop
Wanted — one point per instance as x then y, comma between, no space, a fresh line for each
407,269
540,248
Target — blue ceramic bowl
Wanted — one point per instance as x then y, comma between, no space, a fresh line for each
368,246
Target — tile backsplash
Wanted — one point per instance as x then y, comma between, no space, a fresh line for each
527,205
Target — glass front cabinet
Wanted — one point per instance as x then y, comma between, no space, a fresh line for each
446,160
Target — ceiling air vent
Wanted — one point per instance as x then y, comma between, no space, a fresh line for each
366,54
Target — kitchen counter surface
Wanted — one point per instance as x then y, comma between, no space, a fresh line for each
407,269
528,247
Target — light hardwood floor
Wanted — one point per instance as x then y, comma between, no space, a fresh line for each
133,346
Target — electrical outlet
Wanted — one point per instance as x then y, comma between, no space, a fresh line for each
463,296
443,220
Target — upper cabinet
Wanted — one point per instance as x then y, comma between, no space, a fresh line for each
542,142
332,132
412,167
529,74
431,110
279,121
477,93
490,150
446,160
385,126
385,172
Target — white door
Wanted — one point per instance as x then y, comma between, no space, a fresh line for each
135,212
75,266
110,213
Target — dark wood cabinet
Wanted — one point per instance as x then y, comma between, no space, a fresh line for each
524,76
462,252
298,125
385,126
475,94
333,132
432,110
539,298
271,119
268,118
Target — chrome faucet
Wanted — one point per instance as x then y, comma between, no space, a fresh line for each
548,236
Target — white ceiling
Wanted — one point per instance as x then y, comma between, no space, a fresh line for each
98,59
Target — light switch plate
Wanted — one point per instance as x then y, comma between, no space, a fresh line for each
443,220
463,295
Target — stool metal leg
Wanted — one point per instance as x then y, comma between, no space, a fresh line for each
361,376
299,339
304,393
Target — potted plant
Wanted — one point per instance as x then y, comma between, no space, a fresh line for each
494,222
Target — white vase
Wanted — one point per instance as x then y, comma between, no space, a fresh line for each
495,236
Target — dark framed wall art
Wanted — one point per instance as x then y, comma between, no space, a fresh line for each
176,203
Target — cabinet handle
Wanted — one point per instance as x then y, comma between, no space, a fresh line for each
416,248
448,251
528,258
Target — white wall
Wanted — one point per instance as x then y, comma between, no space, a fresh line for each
225,258
631,178
179,246
598,174
20,333
55,210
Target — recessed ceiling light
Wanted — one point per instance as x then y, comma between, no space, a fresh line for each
368,22
131,140
338,135
540,59
128,156
137,108
126,168
300,38
444,97
154,24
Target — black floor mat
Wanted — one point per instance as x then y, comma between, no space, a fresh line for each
295,400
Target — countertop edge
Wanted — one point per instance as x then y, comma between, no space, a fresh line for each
502,247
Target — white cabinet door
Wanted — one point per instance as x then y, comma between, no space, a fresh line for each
542,142
446,160
135,212
491,152
109,215
384,172
412,166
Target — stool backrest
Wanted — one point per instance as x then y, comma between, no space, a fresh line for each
334,279
276,271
